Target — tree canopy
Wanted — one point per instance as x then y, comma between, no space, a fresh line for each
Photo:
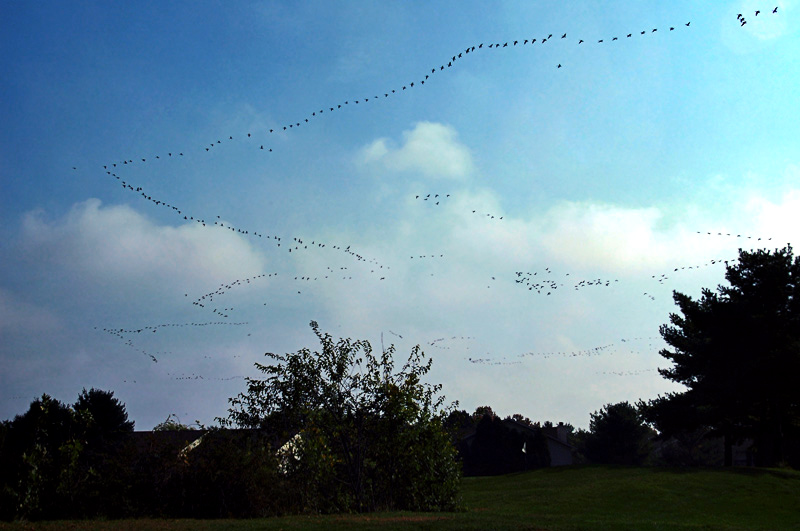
617,435
737,352
360,435
54,455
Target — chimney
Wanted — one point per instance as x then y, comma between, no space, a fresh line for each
561,432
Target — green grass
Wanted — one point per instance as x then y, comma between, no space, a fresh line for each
559,498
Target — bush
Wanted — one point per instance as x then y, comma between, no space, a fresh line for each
364,438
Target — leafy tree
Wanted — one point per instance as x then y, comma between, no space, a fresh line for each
498,449
364,437
101,473
108,416
519,417
39,458
617,435
172,423
60,461
482,411
737,351
458,423
231,473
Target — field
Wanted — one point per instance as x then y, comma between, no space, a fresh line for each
560,498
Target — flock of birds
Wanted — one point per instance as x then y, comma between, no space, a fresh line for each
419,82
122,334
611,348
743,21
545,282
436,200
548,282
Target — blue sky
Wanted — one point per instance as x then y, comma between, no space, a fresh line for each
555,179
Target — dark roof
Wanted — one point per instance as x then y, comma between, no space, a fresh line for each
547,432
179,439
154,440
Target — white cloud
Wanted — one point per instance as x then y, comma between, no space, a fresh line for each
606,236
431,149
767,25
777,220
758,31
116,243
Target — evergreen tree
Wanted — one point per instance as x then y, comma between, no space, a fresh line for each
737,351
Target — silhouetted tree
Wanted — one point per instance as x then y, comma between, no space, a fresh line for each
482,411
737,351
172,423
503,446
40,459
101,472
617,435
108,417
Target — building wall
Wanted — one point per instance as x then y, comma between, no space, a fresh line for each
560,455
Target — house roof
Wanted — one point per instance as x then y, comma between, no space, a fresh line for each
470,433
181,439
547,432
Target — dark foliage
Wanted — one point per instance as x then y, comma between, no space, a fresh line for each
503,446
59,461
737,351
617,435
230,473
360,437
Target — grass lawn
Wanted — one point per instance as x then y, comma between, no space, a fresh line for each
559,498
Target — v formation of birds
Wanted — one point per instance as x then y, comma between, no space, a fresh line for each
544,283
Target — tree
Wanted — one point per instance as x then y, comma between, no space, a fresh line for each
100,479
60,461
617,435
363,436
108,415
172,423
39,459
737,351
504,446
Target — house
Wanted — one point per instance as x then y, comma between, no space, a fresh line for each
556,437
496,446
180,443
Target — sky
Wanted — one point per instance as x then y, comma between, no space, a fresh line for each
185,186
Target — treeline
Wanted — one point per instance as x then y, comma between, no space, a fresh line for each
61,461
490,445
341,430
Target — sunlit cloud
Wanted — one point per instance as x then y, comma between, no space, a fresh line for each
117,243
430,149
